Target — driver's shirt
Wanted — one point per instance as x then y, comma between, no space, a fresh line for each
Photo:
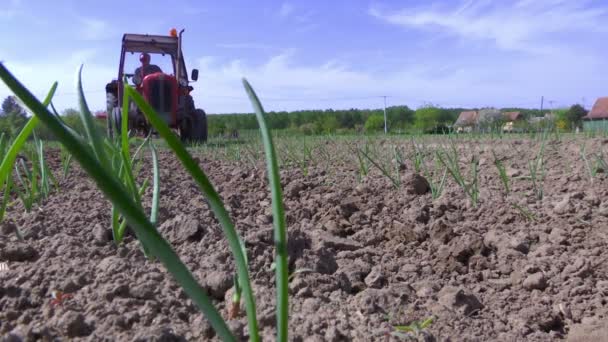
148,69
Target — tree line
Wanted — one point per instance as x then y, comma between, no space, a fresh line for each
427,119
400,119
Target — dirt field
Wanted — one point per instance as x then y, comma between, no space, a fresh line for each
368,255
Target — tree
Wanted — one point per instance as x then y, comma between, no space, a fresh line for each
327,124
10,106
575,114
374,123
13,117
428,117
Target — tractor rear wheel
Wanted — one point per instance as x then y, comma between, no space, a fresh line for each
199,126
194,127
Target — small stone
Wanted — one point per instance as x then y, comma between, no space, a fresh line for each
18,252
558,236
417,184
74,324
218,283
459,300
520,243
333,334
101,235
440,232
323,240
536,281
348,207
511,172
589,330
143,291
375,278
564,206
580,268
12,337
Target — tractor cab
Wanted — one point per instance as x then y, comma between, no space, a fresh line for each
155,66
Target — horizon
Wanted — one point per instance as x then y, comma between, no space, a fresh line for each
319,56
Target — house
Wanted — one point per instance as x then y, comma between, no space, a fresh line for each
597,118
481,120
540,123
489,119
511,118
466,121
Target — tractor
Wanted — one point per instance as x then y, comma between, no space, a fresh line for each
168,93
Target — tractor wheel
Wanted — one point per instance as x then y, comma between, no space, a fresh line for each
199,126
116,120
194,127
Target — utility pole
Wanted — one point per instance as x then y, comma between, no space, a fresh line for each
385,126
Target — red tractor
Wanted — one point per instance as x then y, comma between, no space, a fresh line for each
168,93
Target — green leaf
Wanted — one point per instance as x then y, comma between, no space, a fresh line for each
278,213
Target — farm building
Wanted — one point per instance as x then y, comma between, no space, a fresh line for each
483,119
488,117
466,121
597,118
512,116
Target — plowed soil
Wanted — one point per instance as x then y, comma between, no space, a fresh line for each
365,256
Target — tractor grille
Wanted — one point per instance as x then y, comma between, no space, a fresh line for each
160,95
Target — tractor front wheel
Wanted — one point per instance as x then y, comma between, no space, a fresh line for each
114,124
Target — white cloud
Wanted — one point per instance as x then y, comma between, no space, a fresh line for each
38,77
523,26
284,84
300,21
10,10
94,29
286,9
252,46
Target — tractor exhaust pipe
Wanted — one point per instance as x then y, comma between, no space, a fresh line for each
179,55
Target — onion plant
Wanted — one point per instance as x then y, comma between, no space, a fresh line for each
9,154
92,154
66,161
537,172
363,164
502,172
385,170
450,159
36,179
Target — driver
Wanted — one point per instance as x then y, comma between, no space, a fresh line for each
145,69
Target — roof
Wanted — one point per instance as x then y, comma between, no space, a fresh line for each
466,118
149,43
512,116
599,110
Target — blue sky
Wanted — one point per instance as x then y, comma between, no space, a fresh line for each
325,54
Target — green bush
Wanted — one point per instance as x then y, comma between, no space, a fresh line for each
374,123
